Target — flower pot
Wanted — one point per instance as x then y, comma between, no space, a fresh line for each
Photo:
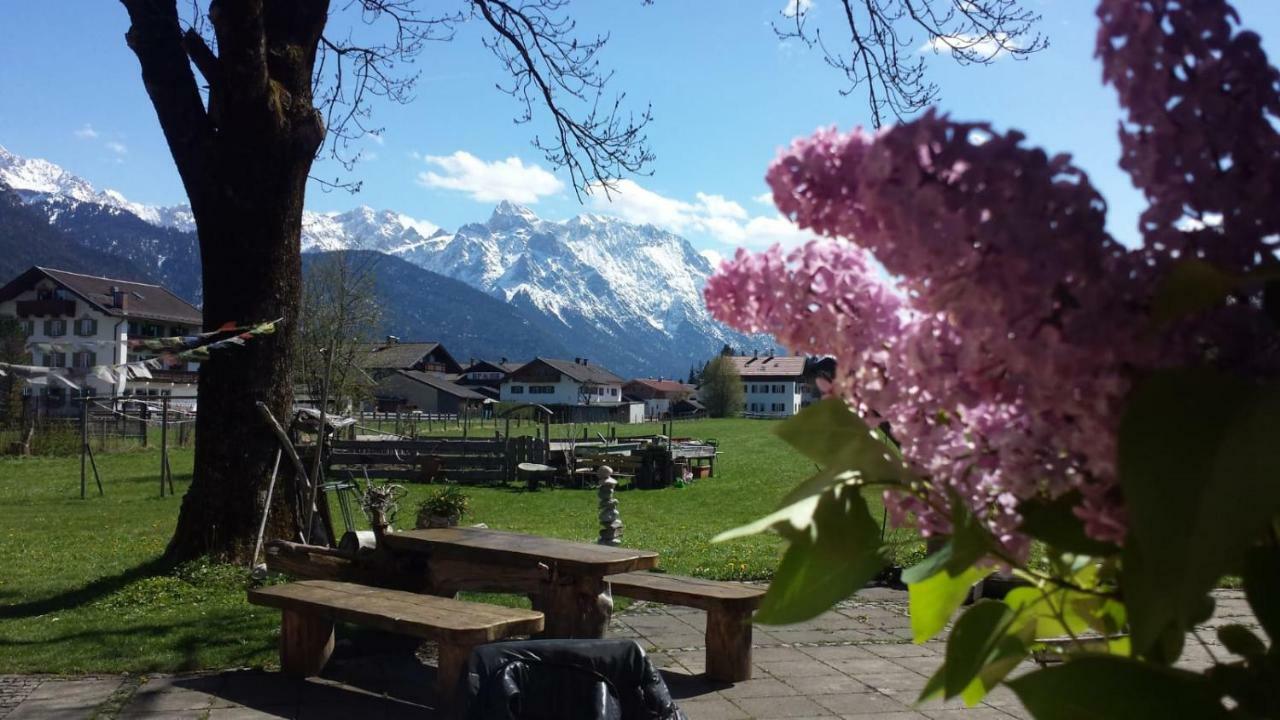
427,519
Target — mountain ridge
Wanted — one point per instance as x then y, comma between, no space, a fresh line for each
628,295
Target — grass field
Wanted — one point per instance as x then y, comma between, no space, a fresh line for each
80,590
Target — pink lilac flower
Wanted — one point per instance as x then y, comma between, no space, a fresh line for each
1005,330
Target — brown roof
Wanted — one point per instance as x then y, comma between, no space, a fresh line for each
442,384
768,365
403,355
145,301
582,372
662,387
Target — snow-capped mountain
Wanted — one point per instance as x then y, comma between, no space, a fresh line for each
627,296
636,290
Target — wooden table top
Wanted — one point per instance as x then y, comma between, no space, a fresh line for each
508,548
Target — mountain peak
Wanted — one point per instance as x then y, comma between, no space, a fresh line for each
508,209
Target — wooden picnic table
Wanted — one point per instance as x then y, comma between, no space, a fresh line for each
564,579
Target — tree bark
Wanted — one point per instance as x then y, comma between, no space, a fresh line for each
244,162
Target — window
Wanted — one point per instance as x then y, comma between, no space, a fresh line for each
55,328
152,330
541,389
135,327
779,407
517,389
28,327
55,359
744,388
56,397
613,391
63,294
779,389
86,327
177,330
84,359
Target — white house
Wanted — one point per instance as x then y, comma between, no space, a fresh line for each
772,385
546,381
77,321
658,395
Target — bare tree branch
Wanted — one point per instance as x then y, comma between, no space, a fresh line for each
883,56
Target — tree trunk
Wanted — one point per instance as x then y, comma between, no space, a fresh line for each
244,161
252,272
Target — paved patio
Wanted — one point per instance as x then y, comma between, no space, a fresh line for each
856,661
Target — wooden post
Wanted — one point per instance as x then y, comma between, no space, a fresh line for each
164,442
575,607
306,642
729,644
84,441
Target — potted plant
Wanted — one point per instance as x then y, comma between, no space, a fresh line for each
443,508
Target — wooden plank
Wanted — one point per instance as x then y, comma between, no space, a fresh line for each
686,591
498,547
728,638
405,613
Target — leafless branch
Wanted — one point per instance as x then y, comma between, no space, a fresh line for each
883,56
552,68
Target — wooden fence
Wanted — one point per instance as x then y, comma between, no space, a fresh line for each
462,460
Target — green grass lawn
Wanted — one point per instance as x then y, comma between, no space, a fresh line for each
79,590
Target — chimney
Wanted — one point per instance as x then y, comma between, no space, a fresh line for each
577,361
118,298
755,353
504,361
392,340
584,361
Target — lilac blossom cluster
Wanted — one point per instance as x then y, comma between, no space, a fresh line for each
975,302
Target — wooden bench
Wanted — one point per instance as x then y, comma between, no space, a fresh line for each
312,606
728,605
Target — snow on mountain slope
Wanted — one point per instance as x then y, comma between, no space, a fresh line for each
626,295
634,284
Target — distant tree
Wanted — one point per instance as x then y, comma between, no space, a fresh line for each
722,388
727,351
338,319
694,374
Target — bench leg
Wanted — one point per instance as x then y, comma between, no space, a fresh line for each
306,641
729,644
450,665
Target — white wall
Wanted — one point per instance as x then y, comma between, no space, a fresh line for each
109,344
564,392
771,397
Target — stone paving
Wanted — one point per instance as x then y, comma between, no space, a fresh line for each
856,661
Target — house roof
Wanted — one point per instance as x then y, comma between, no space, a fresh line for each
492,366
146,301
583,373
402,355
768,365
663,387
442,384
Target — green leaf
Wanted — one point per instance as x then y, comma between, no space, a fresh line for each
932,601
828,561
1191,286
789,520
1053,522
1051,612
1106,687
1198,465
1241,641
1262,588
969,543
830,434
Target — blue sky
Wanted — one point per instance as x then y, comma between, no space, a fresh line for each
725,94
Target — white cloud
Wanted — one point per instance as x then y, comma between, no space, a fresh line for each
86,133
116,147
712,256
715,216
377,138
797,7
368,156
991,47
764,199
508,179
